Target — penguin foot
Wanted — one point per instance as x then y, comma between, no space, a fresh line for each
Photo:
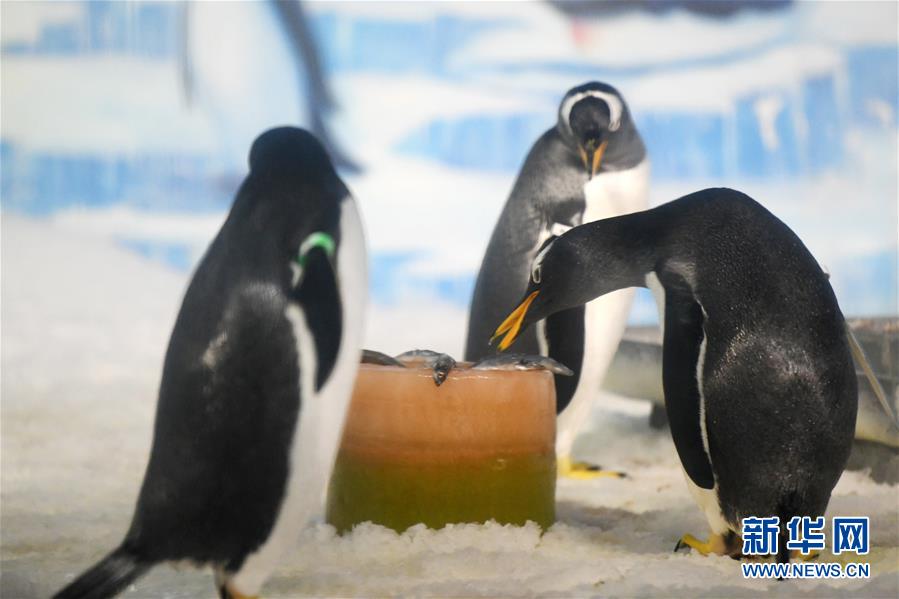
716,545
227,592
583,471
688,540
813,555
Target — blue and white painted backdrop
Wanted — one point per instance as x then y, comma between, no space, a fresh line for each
127,121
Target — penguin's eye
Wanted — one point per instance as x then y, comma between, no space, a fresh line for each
319,239
536,273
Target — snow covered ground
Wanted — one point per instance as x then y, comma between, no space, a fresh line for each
84,328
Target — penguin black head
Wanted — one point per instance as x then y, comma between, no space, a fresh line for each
291,193
290,149
569,271
292,172
589,116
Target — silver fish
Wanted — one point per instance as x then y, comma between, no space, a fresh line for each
522,362
370,356
440,364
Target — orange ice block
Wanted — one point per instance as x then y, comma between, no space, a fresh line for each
479,447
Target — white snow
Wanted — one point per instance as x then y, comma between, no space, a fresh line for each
84,330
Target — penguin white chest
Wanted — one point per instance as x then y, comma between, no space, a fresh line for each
322,412
618,192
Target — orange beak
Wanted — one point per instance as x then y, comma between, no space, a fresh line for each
511,326
597,158
592,163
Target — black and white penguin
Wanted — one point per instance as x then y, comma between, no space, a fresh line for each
256,381
758,377
591,165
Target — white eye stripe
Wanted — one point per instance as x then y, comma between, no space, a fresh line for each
611,100
536,267
539,259
559,229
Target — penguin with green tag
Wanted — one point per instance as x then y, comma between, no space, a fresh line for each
256,381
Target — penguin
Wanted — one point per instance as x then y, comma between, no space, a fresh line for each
256,379
757,371
591,165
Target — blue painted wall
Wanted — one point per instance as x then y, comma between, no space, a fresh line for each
819,114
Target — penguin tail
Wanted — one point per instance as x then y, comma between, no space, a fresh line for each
107,578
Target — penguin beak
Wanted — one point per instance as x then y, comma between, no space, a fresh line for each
511,326
591,155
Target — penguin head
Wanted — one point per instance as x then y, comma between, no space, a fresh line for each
548,287
292,199
589,117
568,271
290,151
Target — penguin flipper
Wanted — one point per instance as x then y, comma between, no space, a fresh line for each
680,354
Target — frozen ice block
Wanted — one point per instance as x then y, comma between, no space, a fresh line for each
479,447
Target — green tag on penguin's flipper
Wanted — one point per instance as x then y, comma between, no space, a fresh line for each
318,239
